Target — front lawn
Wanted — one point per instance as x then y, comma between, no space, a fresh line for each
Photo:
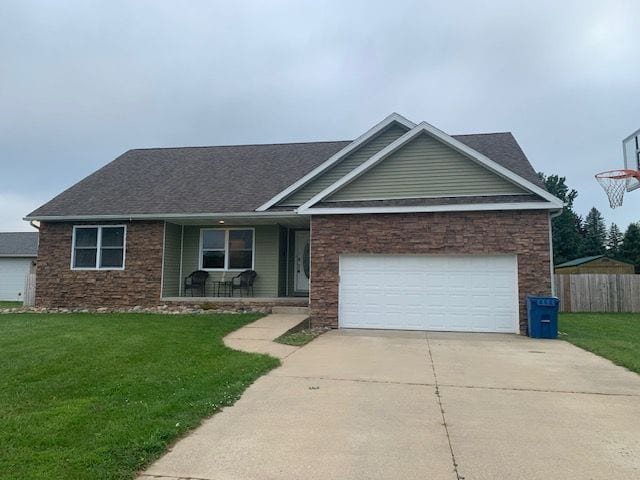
100,396
615,336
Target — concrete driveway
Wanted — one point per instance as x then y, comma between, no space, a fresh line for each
416,405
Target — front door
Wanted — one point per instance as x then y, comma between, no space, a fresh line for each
301,261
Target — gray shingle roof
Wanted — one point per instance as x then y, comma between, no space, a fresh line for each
224,179
18,244
505,150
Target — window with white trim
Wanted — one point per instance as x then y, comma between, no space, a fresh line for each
226,248
98,247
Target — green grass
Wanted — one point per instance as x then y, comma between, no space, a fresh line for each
100,396
9,304
615,336
299,338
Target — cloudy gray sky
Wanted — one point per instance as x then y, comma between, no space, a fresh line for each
83,81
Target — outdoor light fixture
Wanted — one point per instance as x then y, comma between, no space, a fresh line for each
221,222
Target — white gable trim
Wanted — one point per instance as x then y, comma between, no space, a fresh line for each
424,127
433,208
358,142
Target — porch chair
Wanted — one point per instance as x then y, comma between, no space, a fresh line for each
196,281
243,281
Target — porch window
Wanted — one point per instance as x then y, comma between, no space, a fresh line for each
98,247
226,248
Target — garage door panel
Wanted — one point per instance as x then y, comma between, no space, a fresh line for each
458,293
12,277
436,321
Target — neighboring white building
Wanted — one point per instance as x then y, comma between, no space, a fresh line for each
18,253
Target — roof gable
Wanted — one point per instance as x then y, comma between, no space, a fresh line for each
425,128
393,119
345,165
425,167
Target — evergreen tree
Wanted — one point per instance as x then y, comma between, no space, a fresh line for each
595,234
557,186
614,241
630,250
566,227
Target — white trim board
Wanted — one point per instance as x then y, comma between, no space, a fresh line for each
424,127
357,143
433,208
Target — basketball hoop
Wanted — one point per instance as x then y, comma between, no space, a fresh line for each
615,184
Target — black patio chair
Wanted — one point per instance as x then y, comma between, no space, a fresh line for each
196,281
243,281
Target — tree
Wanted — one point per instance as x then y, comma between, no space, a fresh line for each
566,227
630,250
595,234
557,186
614,241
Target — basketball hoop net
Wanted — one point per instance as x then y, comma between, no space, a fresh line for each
614,183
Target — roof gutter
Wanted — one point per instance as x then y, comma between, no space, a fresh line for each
162,216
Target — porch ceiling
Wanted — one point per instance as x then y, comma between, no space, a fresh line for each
293,221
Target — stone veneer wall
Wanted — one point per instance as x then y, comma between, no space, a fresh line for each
521,232
138,284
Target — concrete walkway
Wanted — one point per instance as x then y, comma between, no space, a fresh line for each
416,405
258,336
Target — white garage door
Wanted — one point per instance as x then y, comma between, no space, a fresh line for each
468,293
12,276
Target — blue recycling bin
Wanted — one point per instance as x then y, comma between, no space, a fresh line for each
542,313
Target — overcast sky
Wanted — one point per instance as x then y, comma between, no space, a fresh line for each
82,81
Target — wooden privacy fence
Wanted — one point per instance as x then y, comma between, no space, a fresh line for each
598,293
29,298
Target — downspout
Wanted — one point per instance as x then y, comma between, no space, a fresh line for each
181,280
553,282
34,263
164,252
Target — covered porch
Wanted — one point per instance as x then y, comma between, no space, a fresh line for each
275,246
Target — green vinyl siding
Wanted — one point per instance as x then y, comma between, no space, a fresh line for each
425,167
171,264
266,259
346,165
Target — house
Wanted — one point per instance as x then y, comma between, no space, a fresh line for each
595,264
405,227
18,252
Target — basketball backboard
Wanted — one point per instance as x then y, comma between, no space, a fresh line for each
631,152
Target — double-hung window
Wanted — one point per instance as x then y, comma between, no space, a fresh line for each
98,247
226,249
